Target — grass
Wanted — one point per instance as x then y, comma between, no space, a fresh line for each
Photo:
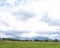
21,44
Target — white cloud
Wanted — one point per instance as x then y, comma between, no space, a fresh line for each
33,24
54,9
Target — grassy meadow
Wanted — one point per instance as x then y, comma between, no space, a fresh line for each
22,44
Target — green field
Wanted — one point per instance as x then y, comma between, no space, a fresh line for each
21,44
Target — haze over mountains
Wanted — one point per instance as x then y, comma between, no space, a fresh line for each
30,19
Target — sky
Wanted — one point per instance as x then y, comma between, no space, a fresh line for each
30,18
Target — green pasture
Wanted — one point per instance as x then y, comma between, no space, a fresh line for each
22,44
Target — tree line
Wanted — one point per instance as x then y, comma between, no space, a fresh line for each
11,39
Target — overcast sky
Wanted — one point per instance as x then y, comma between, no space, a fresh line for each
30,18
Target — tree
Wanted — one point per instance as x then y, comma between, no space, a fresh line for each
36,40
26,40
56,40
46,40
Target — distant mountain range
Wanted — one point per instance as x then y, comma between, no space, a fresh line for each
33,38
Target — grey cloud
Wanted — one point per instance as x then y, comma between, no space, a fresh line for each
18,35
50,32
23,15
13,33
3,22
50,21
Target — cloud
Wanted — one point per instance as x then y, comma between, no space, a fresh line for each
54,9
30,16
50,32
12,33
10,3
13,3
23,15
50,21
53,12
55,36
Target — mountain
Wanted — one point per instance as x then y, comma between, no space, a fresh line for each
40,38
33,38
